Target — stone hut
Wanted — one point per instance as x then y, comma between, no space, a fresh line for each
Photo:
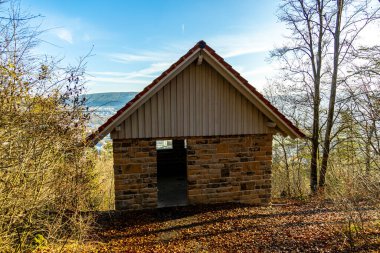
199,133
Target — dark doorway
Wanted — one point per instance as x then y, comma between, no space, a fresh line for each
171,173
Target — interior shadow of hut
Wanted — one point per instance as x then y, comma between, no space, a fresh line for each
171,173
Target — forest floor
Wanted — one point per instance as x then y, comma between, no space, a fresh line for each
291,226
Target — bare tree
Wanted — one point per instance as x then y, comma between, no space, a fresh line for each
303,60
364,92
323,37
289,156
351,17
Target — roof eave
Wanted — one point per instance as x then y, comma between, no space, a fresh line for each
228,69
285,125
132,105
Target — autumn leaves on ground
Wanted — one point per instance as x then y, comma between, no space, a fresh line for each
291,226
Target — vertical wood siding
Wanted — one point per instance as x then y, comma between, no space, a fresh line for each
197,102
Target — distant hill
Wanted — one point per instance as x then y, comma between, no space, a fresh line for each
109,99
104,105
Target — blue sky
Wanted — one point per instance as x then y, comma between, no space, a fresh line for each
132,42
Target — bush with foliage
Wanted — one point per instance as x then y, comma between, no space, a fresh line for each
46,176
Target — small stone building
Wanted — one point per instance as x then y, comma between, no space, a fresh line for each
199,133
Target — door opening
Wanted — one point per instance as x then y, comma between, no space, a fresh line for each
171,173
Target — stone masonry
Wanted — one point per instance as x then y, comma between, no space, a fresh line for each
135,170
229,169
219,169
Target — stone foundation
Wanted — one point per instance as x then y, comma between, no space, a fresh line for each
219,169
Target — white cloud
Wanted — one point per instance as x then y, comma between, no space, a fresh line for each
155,68
107,73
233,46
247,42
141,57
121,80
64,34
264,70
143,76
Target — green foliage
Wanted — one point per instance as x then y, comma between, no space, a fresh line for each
376,224
103,193
39,241
290,168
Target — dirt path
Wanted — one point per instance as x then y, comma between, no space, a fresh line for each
227,228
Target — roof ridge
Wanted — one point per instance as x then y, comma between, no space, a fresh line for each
203,46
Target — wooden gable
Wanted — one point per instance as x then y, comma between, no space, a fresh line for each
199,95
196,102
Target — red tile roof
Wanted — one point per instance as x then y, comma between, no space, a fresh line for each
202,45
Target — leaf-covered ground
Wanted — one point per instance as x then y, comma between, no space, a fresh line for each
231,228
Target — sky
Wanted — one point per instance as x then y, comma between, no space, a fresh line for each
133,42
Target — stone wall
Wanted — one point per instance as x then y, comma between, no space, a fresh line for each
135,170
219,169
229,169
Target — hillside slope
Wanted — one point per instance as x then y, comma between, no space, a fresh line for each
104,105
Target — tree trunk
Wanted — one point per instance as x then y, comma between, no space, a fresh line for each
317,66
368,149
334,80
314,148
287,169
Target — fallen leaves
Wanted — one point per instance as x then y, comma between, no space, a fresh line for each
223,228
